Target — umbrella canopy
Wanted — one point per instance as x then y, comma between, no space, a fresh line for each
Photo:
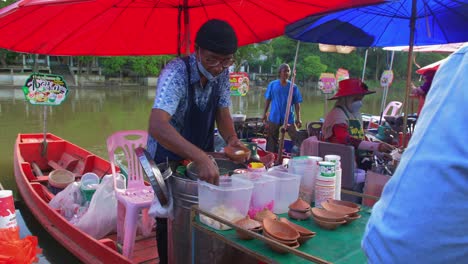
433,66
144,27
436,22
442,48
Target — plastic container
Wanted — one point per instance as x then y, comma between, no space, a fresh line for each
287,189
9,229
229,200
308,167
59,180
263,193
89,184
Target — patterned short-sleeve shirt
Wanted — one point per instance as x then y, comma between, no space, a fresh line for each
172,97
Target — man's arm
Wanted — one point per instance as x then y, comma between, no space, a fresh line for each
298,120
267,106
167,136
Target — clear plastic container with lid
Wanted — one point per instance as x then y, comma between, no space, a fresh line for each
264,191
287,189
229,200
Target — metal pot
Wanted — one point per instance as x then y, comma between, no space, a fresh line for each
225,166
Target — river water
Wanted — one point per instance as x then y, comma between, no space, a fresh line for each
91,114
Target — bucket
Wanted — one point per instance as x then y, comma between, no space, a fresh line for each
89,184
59,180
185,194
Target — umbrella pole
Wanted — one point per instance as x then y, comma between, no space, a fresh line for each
365,65
409,70
288,109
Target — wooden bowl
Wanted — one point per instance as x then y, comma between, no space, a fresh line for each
238,154
303,239
352,217
248,224
326,215
265,213
328,225
301,230
300,206
299,215
344,203
280,230
284,242
344,210
281,250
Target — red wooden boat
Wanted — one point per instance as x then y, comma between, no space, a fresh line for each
30,164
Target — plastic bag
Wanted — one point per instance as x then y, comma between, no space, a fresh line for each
19,251
157,210
68,201
101,217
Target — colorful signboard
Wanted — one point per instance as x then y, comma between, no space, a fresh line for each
45,89
341,74
240,83
387,78
327,83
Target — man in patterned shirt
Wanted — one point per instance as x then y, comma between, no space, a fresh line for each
192,93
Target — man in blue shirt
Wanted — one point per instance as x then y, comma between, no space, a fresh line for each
422,215
277,96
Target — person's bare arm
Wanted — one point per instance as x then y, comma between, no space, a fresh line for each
167,135
267,106
298,120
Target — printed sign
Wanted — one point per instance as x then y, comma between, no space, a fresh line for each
327,83
45,89
239,83
341,74
387,78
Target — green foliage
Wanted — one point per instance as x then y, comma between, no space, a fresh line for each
313,67
112,65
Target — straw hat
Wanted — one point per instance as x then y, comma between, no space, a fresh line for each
352,86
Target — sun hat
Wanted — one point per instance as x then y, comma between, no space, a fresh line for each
217,36
352,86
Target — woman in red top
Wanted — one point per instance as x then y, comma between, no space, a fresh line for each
343,124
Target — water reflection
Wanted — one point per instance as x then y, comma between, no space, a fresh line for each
90,114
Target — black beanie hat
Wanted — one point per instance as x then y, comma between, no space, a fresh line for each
217,36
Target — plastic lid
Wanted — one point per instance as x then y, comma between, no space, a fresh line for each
5,193
154,175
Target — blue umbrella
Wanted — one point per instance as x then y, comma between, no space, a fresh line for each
436,22
395,23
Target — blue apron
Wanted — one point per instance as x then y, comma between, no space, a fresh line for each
198,126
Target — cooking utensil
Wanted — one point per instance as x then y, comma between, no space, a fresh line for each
156,178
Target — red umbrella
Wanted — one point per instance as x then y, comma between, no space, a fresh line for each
144,27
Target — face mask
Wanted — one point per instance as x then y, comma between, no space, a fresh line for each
355,106
204,71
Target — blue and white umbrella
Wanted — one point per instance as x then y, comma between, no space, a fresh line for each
395,23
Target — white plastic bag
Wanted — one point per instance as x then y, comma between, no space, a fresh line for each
101,217
68,201
157,210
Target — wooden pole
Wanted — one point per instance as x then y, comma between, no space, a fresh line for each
288,108
409,71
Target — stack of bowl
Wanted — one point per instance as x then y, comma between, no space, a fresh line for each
265,214
335,213
299,210
248,224
305,234
281,233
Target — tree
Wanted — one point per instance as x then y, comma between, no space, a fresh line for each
312,67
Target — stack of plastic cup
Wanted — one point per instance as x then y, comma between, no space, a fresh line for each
325,183
338,172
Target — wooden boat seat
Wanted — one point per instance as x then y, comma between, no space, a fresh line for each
66,161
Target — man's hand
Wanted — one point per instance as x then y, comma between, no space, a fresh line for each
299,123
235,143
385,148
207,170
